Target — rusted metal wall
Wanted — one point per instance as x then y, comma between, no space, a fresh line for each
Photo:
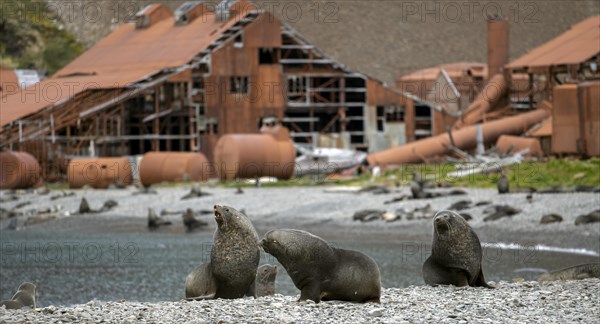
464,139
99,173
497,49
514,144
576,119
269,154
18,170
157,167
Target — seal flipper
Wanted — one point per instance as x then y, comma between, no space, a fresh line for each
209,296
311,291
480,281
252,290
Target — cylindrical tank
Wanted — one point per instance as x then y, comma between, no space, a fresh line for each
465,139
99,173
18,170
157,167
271,154
516,144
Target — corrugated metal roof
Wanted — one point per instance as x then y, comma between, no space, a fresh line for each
57,90
578,44
125,56
162,45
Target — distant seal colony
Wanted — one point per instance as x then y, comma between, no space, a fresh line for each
455,253
321,271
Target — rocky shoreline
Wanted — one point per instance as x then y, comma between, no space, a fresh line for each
559,301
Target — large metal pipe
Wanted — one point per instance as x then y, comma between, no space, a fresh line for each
490,96
18,170
465,139
99,173
271,154
157,167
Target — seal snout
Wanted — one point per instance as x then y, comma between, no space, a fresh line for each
218,213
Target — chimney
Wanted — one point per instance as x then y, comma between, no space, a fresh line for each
189,11
150,15
497,54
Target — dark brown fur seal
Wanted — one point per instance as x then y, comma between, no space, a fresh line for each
455,253
265,280
233,260
582,271
321,271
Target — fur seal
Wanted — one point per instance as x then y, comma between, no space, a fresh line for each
578,272
503,184
190,222
200,283
455,253
233,260
321,271
24,297
154,221
265,280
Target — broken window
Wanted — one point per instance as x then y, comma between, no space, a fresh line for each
238,85
268,55
238,41
394,113
380,118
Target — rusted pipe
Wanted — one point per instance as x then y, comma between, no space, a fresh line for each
464,139
497,49
157,167
491,94
516,144
18,170
99,173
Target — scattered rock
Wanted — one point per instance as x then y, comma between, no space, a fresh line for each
592,217
500,211
460,205
551,218
367,215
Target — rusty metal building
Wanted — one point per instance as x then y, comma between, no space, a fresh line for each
566,72
177,81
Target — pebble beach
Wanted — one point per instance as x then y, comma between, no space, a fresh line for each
527,302
327,211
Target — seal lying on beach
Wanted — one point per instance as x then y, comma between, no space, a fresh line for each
233,260
455,253
321,271
24,297
578,272
265,280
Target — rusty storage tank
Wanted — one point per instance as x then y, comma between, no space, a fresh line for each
516,144
18,170
157,167
270,154
99,173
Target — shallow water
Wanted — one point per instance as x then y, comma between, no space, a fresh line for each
73,268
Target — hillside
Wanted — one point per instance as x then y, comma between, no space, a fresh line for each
384,38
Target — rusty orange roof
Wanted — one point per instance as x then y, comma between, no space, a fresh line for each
124,57
454,70
8,80
57,90
159,46
577,45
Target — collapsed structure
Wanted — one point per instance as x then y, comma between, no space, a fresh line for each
178,81
554,90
